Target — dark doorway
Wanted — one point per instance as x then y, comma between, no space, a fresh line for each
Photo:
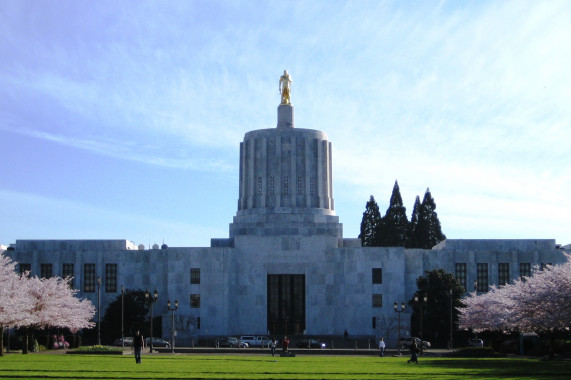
286,304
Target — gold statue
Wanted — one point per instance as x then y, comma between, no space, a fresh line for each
285,88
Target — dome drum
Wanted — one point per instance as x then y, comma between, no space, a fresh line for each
285,168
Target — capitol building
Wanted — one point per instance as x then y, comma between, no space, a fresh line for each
285,267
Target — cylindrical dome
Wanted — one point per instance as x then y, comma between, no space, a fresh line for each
285,168
285,182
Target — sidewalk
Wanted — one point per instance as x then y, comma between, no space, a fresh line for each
257,351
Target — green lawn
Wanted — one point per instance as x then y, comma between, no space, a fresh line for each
266,367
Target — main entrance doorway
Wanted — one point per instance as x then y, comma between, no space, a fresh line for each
286,304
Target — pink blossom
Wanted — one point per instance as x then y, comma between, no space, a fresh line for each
40,303
55,305
539,303
15,302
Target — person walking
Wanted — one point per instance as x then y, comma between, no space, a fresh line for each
413,350
138,344
381,347
272,345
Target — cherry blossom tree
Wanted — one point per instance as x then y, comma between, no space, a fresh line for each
54,304
15,302
32,302
540,303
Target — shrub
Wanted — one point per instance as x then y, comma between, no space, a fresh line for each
98,349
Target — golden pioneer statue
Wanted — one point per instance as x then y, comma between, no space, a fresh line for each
285,88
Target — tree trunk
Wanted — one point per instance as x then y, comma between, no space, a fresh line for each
551,344
1,340
25,349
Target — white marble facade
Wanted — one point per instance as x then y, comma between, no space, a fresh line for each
285,225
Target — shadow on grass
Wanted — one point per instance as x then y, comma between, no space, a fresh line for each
508,367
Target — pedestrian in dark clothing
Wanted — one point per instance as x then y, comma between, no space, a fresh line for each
413,350
285,343
138,344
346,335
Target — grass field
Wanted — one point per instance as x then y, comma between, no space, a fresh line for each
35,366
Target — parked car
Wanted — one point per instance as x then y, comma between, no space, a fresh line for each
255,340
476,342
311,343
157,342
119,341
407,342
231,341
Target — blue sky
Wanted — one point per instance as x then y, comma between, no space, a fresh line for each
122,119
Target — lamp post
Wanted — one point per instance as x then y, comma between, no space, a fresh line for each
151,299
451,324
99,310
421,302
402,307
122,315
172,310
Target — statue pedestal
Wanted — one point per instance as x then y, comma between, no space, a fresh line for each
285,116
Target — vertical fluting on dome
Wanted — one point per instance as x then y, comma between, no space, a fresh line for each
285,168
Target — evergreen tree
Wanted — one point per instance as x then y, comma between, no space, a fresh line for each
135,312
370,224
436,286
412,240
429,230
395,223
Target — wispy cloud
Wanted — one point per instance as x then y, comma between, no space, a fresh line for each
93,222
470,99
133,151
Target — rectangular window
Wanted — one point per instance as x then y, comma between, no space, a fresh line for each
285,187
195,301
195,275
544,265
377,275
198,323
377,300
461,274
46,270
482,277
110,278
374,322
524,270
503,273
25,268
67,271
299,185
89,278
